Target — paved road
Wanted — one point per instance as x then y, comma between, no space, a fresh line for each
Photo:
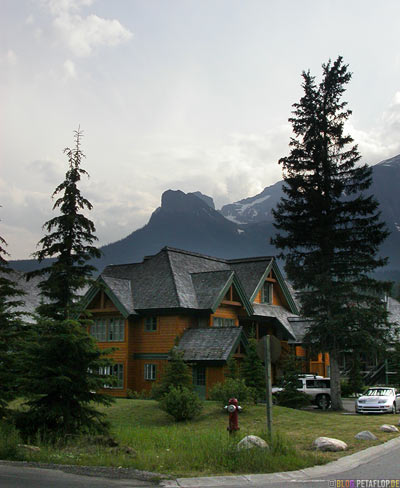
17,476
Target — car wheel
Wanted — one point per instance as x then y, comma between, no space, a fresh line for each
323,401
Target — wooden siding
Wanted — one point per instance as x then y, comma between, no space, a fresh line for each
160,341
226,312
137,381
214,374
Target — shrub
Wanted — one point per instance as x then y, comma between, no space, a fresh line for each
177,374
292,398
9,440
252,371
181,403
222,392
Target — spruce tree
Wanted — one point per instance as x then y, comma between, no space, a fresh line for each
10,330
62,362
252,371
329,225
69,241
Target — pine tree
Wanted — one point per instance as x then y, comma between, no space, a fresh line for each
177,374
61,376
69,241
61,381
10,330
252,371
330,229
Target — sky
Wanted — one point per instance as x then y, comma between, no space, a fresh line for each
175,94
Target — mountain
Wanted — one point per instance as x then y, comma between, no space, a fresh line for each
241,229
254,209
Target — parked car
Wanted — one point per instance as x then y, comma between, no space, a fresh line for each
379,399
317,387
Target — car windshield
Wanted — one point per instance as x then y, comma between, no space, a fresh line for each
378,392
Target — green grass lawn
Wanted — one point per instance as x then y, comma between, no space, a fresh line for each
204,447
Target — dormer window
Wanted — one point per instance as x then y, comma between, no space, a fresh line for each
267,292
150,324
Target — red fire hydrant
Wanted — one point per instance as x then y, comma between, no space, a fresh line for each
233,410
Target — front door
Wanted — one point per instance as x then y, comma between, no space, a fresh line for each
199,381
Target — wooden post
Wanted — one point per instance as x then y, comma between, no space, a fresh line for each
267,356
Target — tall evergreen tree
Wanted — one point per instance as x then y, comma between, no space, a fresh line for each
329,226
252,371
62,362
69,241
10,330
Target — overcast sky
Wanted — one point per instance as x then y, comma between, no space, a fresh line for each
181,94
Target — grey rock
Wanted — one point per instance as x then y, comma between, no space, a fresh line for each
388,428
329,444
366,435
251,441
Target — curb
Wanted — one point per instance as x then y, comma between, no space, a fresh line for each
316,472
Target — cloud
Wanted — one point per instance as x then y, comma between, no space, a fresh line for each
382,141
69,68
83,34
11,57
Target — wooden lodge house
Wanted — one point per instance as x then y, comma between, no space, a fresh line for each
211,305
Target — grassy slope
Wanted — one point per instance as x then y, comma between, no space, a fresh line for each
203,446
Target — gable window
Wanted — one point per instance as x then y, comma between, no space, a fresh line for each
116,329
223,322
108,329
99,330
150,371
117,372
267,292
150,324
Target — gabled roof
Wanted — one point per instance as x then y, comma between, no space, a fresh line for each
175,279
211,344
281,314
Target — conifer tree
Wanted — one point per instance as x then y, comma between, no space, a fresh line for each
62,362
69,241
10,330
252,371
177,374
329,227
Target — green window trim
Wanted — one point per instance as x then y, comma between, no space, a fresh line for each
267,291
223,322
151,324
108,329
150,372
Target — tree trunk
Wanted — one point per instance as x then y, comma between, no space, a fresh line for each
336,394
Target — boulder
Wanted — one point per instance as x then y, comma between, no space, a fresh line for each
366,435
251,441
388,428
329,444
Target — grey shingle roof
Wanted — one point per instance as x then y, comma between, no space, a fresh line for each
277,312
299,326
250,272
176,279
211,344
31,299
209,285
122,290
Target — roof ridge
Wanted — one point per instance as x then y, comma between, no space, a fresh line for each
250,259
213,271
193,253
173,278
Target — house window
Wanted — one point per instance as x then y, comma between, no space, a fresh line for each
116,329
266,292
150,324
150,372
99,330
199,376
117,372
110,329
223,322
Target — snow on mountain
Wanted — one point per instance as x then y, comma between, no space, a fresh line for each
254,209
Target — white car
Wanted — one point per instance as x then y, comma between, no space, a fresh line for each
316,387
379,399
